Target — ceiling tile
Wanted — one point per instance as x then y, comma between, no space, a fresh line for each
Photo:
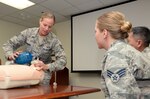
18,21
55,5
6,10
28,24
69,11
37,1
11,19
60,18
36,10
89,6
22,15
77,2
62,9
110,2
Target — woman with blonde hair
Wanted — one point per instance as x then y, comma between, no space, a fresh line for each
121,63
42,43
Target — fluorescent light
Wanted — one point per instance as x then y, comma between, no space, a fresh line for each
19,4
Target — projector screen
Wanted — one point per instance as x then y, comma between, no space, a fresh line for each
85,54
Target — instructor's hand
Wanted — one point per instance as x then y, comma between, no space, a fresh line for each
39,65
14,55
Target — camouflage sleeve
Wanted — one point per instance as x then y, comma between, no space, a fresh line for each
15,42
145,68
119,79
104,87
60,55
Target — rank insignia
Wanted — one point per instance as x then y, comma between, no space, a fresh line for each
117,75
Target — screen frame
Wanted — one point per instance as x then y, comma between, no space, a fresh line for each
72,47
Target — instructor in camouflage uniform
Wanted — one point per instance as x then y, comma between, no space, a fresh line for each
139,38
42,43
121,63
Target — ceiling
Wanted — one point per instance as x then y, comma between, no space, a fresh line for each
62,9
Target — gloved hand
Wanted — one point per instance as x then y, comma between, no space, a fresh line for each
39,65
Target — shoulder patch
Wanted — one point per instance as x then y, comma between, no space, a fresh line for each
115,76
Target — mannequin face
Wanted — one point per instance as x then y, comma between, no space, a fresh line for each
45,26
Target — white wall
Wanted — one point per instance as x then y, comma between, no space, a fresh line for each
7,30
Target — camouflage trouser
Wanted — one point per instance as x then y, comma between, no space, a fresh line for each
145,94
47,77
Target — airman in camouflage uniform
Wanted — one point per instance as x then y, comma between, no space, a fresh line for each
120,66
122,63
139,38
42,47
146,52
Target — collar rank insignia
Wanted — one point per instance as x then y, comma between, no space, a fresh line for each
115,77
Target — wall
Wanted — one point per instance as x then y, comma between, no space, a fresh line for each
7,30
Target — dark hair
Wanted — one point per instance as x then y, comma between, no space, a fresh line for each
143,33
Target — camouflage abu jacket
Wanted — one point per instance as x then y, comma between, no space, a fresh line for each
121,65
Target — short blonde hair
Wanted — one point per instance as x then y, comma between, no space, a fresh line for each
115,23
47,15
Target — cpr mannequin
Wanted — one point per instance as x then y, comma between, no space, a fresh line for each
19,75
16,74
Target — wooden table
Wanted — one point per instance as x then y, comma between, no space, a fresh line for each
45,92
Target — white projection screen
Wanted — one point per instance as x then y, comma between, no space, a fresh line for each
85,54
